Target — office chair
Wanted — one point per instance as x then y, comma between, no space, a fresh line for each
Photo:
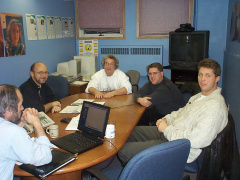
188,89
59,86
220,159
163,161
134,77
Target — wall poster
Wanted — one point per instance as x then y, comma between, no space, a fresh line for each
12,25
31,26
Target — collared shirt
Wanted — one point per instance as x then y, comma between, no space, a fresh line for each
16,145
35,96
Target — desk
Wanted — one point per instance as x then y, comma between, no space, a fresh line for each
124,111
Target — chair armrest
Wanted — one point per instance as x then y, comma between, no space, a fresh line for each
88,173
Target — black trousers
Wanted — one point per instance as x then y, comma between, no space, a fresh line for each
150,116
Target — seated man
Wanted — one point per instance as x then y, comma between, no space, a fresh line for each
203,117
109,79
16,144
159,95
36,93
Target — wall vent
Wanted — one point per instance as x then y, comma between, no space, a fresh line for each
115,51
133,57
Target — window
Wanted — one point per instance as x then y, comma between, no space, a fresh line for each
156,18
98,19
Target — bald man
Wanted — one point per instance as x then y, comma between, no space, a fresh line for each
36,93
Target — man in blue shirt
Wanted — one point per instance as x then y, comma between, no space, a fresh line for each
16,144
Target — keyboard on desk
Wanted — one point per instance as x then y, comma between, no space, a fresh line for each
77,142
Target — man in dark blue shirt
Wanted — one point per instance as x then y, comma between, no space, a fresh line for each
159,95
36,93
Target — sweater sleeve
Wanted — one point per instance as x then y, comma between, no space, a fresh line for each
200,129
142,92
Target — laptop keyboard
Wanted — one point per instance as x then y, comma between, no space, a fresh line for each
80,139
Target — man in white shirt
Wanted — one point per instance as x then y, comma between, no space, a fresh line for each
109,81
16,144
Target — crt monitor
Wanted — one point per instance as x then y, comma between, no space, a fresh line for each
74,67
62,68
186,49
89,64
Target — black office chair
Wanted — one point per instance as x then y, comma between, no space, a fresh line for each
59,86
188,89
164,161
134,77
220,159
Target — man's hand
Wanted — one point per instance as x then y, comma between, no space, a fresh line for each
144,101
108,95
56,109
56,106
28,115
161,125
98,95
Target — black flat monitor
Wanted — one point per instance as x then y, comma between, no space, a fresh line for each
186,49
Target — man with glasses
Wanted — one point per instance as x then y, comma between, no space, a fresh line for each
110,81
159,95
36,93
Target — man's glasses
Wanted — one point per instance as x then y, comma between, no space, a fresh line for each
42,73
109,64
154,73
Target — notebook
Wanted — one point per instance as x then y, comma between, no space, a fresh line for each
59,160
92,126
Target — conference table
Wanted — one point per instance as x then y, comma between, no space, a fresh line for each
124,111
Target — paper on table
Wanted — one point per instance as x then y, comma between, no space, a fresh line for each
72,109
80,101
79,82
73,124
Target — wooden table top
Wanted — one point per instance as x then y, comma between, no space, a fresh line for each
124,111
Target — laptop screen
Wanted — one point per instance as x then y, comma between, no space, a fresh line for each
94,118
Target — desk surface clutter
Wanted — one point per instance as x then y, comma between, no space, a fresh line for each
124,111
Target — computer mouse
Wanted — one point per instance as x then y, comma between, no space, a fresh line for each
66,120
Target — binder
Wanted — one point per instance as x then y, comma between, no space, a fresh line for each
59,160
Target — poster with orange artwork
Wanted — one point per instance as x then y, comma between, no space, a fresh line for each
14,42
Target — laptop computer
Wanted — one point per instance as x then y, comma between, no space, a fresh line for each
92,125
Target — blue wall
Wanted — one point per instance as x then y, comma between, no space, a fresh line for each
209,15
231,82
15,70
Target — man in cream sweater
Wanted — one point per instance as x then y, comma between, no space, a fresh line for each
203,117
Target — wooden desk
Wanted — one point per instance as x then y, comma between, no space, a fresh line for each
124,111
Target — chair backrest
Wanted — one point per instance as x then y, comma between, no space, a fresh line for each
59,86
221,158
164,161
134,77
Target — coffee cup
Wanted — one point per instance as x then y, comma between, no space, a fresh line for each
110,130
53,131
